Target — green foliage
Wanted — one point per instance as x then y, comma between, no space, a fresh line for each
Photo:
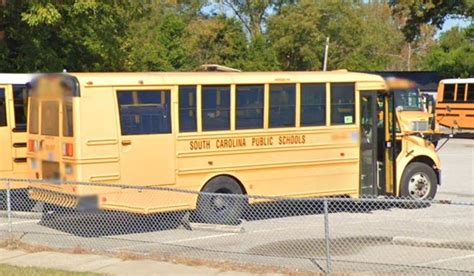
362,36
216,40
454,54
171,35
75,35
296,37
434,12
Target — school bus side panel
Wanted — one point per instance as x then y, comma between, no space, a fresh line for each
304,163
6,164
97,136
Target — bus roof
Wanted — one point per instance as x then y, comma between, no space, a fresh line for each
11,78
454,81
183,78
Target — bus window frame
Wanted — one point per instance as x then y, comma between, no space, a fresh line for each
4,111
25,99
166,89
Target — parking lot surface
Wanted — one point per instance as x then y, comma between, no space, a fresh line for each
364,236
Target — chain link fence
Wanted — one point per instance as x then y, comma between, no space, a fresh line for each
267,234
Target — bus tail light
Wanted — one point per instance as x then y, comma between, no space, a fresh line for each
68,149
32,145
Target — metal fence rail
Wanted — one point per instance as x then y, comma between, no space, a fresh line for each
326,235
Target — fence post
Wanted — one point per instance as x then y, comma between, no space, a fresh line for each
327,238
9,207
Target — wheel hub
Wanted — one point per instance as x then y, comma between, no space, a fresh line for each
419,186
219,202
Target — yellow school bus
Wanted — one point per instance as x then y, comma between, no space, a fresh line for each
455,103
13,107
291,134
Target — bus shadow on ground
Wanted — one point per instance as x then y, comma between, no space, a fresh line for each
101,223
291,208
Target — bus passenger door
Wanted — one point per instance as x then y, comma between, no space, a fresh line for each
368,143
6,164
147,155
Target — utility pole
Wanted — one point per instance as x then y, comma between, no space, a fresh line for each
326,49
409,57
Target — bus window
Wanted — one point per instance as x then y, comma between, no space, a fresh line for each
3,108
313,104
33,125
470,92
408,99
144,112
215,108
187,109
342,103
20,102
50,118
448,95
249,106
461,92
67,119
282,105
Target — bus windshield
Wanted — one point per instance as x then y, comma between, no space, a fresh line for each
408,99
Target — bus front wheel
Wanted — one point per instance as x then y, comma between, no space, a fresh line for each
221,201
418,182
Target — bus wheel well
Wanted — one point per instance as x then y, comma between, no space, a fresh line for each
244,191
428,161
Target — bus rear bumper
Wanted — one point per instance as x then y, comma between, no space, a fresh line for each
83,203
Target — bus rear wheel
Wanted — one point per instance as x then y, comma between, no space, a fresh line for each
418,182
221,202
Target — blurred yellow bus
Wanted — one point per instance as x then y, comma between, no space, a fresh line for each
455,103
292,134
13,107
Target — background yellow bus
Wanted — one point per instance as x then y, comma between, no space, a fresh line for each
455,103
292,134
13,107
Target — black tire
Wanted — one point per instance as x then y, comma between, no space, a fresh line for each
420,171
219,206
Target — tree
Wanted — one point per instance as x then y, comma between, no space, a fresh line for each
154,42
295,36
418,12
218,40
363,36
454,55
77,35
253,13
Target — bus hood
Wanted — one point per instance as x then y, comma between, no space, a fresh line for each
414,121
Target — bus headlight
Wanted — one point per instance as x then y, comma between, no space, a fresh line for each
419,126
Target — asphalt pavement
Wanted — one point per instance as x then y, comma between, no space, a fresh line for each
364,237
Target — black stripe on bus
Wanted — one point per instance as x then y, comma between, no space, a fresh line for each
448,115
19,145
454,108
20,160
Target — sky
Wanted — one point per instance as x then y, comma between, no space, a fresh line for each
455,22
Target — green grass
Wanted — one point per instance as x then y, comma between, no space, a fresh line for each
9,270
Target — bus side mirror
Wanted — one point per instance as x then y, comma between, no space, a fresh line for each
431,104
